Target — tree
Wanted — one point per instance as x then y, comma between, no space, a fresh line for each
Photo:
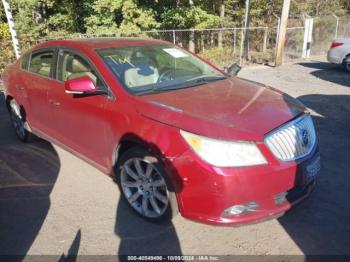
4,31
221,7
137,18
42,18
113,16
187,17
104,16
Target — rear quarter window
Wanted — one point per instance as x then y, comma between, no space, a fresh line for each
41,63
25,62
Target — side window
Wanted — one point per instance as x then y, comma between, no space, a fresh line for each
41,63
25,62
73,66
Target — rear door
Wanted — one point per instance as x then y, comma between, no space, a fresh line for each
80,120
37,82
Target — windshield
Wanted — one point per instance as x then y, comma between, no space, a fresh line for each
144,69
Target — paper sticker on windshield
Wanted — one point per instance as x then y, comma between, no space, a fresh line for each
175,52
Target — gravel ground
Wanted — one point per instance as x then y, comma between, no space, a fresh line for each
51,202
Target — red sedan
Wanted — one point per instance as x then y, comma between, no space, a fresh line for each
177,133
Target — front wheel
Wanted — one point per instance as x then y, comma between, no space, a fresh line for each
19,123
145,185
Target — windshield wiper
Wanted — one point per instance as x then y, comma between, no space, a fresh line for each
172,87
192,82
205,78
181,86
195,81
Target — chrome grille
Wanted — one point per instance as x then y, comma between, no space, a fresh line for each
293,140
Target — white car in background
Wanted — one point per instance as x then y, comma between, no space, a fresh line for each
339,53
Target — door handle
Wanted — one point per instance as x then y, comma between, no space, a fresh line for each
54,102
19,88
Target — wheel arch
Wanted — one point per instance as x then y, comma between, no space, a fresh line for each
345,62
121,148
131,140
347,55
7,101
173,181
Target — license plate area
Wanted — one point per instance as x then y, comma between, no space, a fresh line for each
311,168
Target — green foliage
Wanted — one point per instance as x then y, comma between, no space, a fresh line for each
47,18
4,31
2,14
220,56
110,16
36,19
320,7
137,18
6,50
224,57
189,17
103,17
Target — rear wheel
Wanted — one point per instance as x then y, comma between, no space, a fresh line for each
346,63
19,123
145,185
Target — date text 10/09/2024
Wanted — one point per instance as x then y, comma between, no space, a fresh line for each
173,258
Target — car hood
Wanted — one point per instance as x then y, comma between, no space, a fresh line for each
232,108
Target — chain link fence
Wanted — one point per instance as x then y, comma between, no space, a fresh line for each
324,30
343,28
323,34
294,39
224,46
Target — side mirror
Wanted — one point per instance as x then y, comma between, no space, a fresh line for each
81,86
233,69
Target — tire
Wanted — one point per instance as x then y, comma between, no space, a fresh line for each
346,63
19,123
145,185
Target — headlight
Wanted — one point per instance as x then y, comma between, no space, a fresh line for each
222,153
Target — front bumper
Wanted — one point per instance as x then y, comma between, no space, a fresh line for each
207,191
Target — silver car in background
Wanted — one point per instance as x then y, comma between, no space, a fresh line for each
339,53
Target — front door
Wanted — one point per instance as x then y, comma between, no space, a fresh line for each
80,120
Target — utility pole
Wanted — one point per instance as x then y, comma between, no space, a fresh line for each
282,32
12,28
191,46
222,16
246,30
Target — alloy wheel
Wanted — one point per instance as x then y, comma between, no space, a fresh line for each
144,187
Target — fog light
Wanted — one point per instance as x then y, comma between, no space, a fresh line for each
238,210
280,198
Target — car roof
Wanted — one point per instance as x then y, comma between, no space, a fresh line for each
102,42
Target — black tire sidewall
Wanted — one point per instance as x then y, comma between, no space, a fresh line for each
27,134
345,63
140,152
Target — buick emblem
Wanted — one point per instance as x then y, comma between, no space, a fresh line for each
305,137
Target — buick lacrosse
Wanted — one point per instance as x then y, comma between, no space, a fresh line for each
177,133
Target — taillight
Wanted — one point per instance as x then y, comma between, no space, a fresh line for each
336,44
